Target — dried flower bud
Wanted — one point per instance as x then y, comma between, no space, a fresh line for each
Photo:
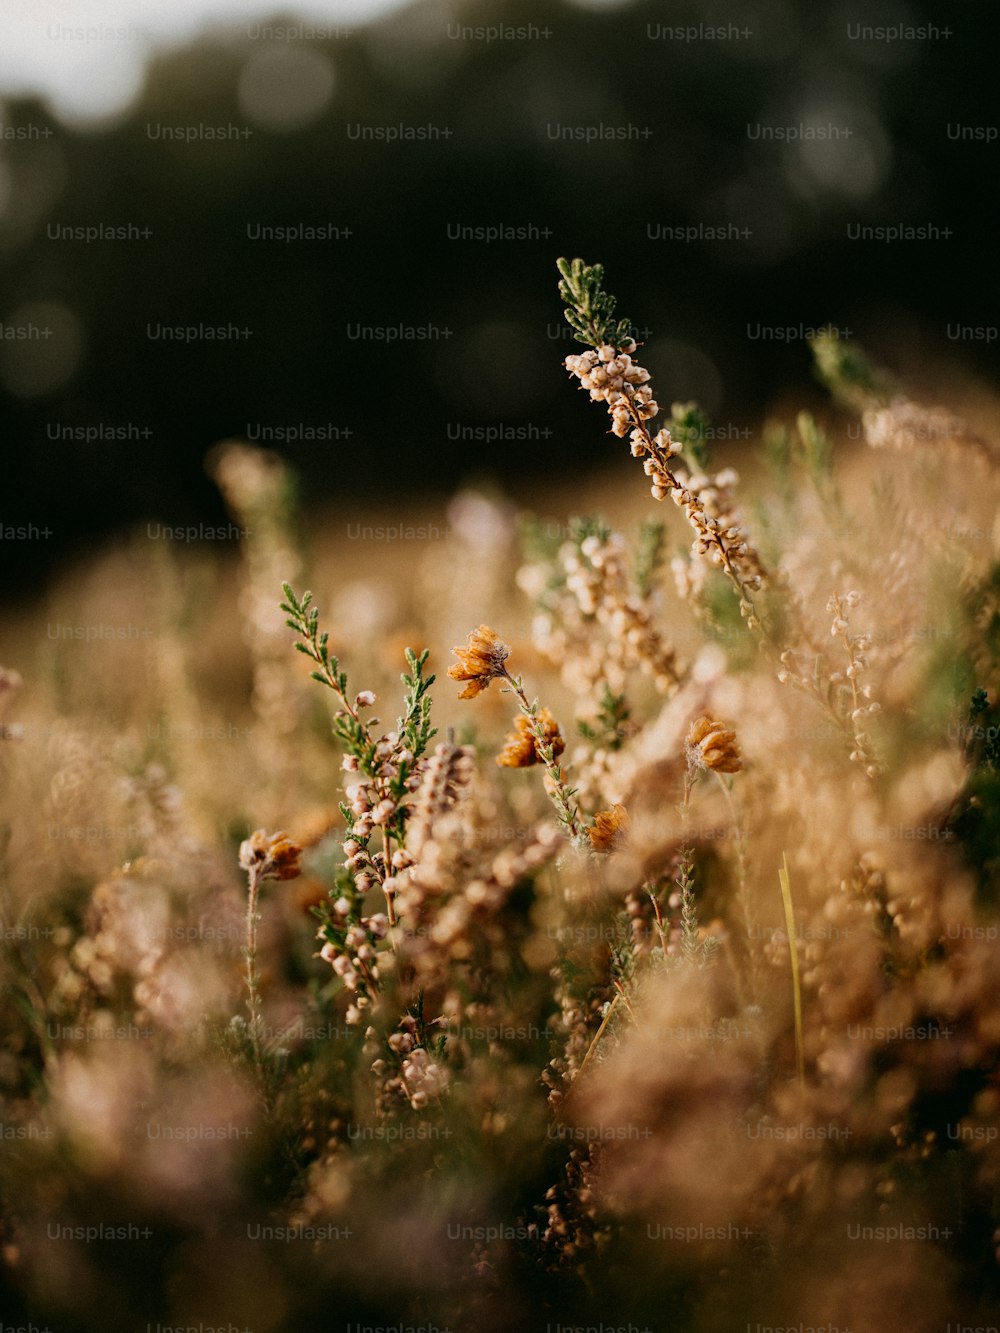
710,746
609,829
522,749
271,855
479,663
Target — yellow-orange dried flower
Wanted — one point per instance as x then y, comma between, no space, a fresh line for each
521,748
271,855
480,662
710,745
609,829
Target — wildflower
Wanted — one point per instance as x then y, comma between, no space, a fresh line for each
609,374
609,829
271,855
482,661
710,746
522,746
423,1077
9,679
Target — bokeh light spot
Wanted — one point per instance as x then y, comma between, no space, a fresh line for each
285,89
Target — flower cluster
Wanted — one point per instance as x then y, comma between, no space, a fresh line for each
373,805
856,697
836,687
609,375
596,621
350,946
406,1066
481,662
609,829
523,746
712,512
451,898
596,574
270,856
711,747
447,774
423,1077
10,681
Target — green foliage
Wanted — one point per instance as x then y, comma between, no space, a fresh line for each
694,951
538,539
817,456
849,374
973,818
414,727
777,441
303,617
611,729
589,307
648,555
414,730
983,725
689,427
624,962
723,623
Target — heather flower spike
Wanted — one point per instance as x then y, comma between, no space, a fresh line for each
609,374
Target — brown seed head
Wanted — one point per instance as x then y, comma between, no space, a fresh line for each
271,855
479,663
609,829
521,749
710,745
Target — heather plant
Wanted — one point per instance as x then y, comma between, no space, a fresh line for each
692,1025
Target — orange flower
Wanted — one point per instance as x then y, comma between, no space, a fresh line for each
521,749
271,855
482,661
710,745
609,829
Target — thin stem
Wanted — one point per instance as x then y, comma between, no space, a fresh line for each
658,915
741,894
597,1037
625,1000
253,1002
786,897
390,907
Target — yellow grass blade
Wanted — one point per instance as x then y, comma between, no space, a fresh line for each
786,898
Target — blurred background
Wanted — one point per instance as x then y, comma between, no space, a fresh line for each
332,229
